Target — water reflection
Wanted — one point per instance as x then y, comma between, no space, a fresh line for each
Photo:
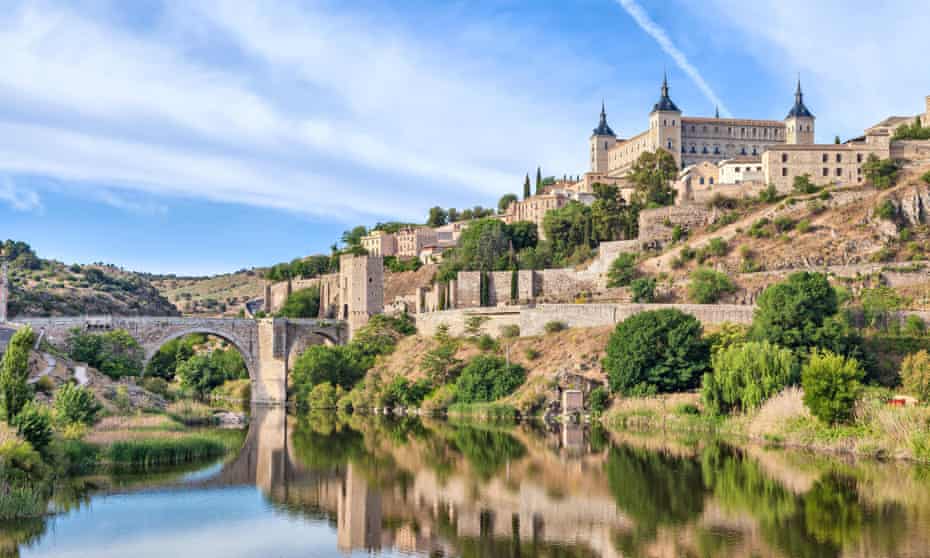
435,488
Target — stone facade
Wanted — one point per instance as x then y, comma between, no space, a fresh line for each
361,294
411,241
741,169
534,208
656,226
825,164
380,243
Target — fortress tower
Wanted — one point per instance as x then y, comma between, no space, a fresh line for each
665,124
361,289
602,139
799,124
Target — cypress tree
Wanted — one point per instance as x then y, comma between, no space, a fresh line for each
526,187
14,372
538,181
514,285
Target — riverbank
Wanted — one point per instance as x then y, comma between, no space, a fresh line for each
878,430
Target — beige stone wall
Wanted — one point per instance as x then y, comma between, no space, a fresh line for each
380,243
735,191
800,131
716,139
600,152
411,241
534,208
825,163
564,284
911,150
622,155
656,225
532,320
362,294
737,171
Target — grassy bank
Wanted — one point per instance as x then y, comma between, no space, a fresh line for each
877,429
493,411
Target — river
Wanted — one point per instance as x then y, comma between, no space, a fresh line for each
320,487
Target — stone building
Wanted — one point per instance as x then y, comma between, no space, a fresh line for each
691,140
412,240
534,209
380,243
741,169
361,289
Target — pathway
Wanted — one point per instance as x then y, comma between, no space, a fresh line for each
50,363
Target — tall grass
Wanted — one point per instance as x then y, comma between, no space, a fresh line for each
496,411
164,451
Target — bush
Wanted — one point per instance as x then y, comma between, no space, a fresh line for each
14,372
803,184
769,195
759,229
622,270
783,223
656,351
803,226
926,177
707,286
440,363
75,404
746,374
115,353
324,396
304,303
886,210
555,326
191,413
882,173
158,386
915,375
790,313
510,331
831,386
486,343
336,365
439,400
643,289
914,326
34,424
598,400
401,392
531,354
488,378
45,385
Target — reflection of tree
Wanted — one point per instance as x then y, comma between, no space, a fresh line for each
319,444
832,511
487,451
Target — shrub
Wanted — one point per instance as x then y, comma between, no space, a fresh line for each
158,386
487,378
803,185
303,303
486,343
915,375
530,353
643,289
707,286
831,386
791,312
45,385
34,424
439,400
115,353
191,413
324,396
622,270
886,210
926,177
656,351
746,374
473,325
401,392
555,326
769,195
440,363
510,331
75,404
882,173
914,326
14,372
759,229
337,365
717,247
783,223
598,400
803,226
686,409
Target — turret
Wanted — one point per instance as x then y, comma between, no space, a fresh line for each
602,139
799,124
665,124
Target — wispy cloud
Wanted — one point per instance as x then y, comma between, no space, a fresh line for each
655,31
19,198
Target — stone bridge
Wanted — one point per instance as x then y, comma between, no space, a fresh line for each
268,346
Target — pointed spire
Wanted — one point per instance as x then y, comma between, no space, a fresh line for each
665,102
716,111
603,129
664,83
799,110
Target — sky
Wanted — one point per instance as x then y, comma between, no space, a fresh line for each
205,136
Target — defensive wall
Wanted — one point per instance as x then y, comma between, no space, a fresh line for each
532,320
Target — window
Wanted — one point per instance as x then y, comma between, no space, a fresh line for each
858,157
754,152
826,171
669,144
605,144
784,157
711,180
704,129
716,150
839,171
715,129
693,150
824,158
743,150
702,180
839,157
784,171
704,150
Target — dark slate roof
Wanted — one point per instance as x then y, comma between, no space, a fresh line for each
799,110
603,129
665,102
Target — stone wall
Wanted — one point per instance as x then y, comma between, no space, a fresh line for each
607,252
468,289
564,284
911,150
656,225
532,320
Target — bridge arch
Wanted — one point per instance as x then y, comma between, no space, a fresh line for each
244,348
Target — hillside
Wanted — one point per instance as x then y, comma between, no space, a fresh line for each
218,295
40,287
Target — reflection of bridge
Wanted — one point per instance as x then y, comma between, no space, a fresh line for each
268,346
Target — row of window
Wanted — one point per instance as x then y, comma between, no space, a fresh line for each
825,157
762,132
716,151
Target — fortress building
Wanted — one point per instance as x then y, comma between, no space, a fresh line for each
692,140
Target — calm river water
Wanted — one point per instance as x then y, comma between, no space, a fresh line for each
321,487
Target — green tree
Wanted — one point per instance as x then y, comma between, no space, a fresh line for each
747,374
882,173
706,286
539,184
75,404
803,185
832,384
437,217
836,140
878,304
915,375
353,236
453,214
34,424
504,202
14,372
200,374
656,351
526,187
652,175
488,378
792,312
303,303
336,365
622,270
164,362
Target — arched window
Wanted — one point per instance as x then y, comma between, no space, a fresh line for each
692,149
702,180
670,144
716,150
743,150
704,151
605,144
711,179
754,152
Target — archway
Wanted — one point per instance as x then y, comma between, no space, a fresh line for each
244,349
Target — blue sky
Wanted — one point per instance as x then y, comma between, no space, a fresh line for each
199,137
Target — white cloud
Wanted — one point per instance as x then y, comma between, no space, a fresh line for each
655,31
859,61
19,198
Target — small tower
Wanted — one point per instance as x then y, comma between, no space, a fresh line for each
799,124
602,139
361,289
926,117
665,124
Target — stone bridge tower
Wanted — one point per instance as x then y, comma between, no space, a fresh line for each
361,289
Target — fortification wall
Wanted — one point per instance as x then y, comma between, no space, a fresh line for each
564,284
911,150
656,225
607,252
532,320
